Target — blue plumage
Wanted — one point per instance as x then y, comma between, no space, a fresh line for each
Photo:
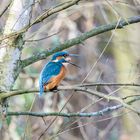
59,54
51,69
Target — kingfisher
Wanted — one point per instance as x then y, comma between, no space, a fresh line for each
54,71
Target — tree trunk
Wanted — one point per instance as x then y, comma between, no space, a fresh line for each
11,48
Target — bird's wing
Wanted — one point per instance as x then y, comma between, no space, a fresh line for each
51,69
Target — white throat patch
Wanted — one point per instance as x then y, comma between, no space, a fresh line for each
55,60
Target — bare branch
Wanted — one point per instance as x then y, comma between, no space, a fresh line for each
28,91
43,114
5,9
75,88
105,96
43,16
110,84
54,10
80,39
92,114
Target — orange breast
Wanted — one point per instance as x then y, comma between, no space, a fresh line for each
55,81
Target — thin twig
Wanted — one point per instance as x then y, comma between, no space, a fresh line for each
27,118
43,16
54,10
5,9
106,46
87,124
39,39
108,97
54,119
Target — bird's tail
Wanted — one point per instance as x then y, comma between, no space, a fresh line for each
41,88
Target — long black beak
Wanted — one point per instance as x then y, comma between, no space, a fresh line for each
74,64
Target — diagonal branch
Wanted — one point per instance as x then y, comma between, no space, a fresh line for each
43,16
80,39
5,9
54,10
105,96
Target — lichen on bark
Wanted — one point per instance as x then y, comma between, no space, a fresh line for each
10,63
11,48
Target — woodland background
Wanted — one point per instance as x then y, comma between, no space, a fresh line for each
111,57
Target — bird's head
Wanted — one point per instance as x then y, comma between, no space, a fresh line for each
64,54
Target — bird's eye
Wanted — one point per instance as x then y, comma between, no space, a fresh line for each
65,55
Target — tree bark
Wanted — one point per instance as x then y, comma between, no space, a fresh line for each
11,48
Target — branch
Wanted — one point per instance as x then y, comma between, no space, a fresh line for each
5,9
54,10
72,87
105,96
75,88
92,114
109,84
40,114
80,39
43,16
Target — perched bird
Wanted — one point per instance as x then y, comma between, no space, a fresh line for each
54,71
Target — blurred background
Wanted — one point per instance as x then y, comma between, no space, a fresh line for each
111,57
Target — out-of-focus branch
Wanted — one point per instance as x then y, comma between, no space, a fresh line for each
5,9
91,114
54,10
75,88
43,16
39,39
80,39
17,92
